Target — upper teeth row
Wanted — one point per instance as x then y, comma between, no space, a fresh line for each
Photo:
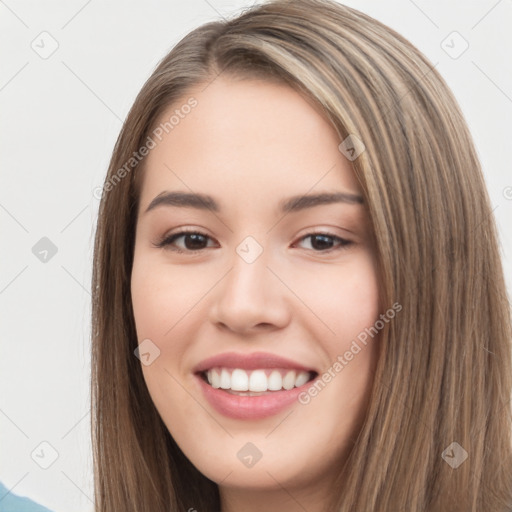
240,380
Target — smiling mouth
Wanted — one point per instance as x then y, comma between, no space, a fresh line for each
264,381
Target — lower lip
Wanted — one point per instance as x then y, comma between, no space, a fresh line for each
250,407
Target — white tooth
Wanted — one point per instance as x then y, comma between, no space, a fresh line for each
209,376
239,380
289,380
258,381
301,379
214,379
225,379
275,381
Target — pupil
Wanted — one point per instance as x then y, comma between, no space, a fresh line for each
325,242
198,239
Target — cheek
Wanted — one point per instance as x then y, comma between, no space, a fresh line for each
162,296
342,300
168,311
156,309
347,302
163,301
357,303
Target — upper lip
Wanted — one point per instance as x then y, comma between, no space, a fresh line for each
252,361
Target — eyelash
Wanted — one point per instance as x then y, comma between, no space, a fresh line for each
168,240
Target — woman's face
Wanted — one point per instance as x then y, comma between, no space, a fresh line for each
265,277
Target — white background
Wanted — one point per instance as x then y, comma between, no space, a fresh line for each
60,117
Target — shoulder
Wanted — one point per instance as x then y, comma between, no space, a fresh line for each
9,502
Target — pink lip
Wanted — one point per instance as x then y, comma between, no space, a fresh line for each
250,407
252,361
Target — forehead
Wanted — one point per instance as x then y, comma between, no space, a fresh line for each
245,138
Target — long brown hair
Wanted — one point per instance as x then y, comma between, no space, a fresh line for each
444,373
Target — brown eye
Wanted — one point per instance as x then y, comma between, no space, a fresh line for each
324,242
195,241
192,241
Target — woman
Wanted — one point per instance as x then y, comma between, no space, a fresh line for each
298,297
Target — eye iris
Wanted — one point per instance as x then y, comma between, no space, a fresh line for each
198,241
325,241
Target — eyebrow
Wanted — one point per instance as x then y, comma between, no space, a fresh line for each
291,204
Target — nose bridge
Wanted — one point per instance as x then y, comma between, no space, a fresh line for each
250,293
248,280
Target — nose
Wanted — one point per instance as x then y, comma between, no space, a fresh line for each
250,298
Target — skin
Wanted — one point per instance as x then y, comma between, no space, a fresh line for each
250,144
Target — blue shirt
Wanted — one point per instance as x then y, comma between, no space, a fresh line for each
9,502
